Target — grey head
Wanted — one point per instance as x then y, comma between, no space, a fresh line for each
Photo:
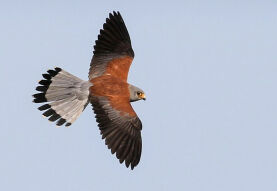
136,93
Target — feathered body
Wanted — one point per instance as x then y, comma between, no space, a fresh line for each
66,95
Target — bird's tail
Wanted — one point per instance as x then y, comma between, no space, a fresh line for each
67,96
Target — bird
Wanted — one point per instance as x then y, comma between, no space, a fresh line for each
65,96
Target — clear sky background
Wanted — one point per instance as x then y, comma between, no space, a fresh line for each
209,70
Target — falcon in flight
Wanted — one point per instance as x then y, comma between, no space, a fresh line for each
66,96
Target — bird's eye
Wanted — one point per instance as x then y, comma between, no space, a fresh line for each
139,93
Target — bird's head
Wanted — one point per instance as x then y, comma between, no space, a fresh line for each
136,93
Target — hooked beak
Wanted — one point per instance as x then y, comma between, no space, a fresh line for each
143,97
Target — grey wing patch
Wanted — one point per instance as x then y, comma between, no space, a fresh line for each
99,63
122,134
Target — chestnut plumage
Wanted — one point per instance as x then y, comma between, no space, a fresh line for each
65,96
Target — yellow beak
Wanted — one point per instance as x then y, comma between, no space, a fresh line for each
143,97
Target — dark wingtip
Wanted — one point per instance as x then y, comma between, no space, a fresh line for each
115,38
121,160
119,15
114,13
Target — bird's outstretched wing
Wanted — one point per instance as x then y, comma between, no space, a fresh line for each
113,53
121,130
110,97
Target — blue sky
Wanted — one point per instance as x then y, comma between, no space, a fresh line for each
209,73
